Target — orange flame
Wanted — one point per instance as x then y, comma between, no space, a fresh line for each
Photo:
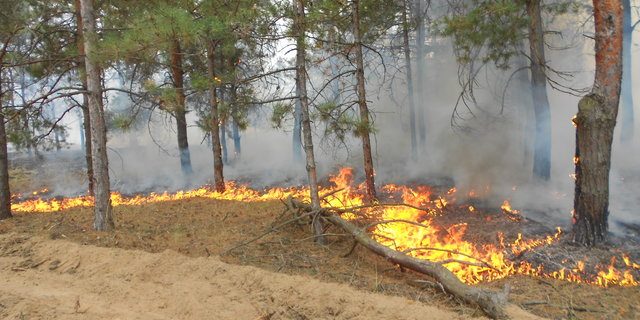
511,213
470,262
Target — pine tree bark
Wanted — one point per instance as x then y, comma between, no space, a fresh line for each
542,141
237,146
525,108
218,176
410,91
235,132
103,218
86,119
628,118
297,129
223,142
365,123
5,193
595,124
180,111
420,65
301,85
86,127
334,63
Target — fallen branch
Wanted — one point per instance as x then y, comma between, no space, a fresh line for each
491,302
484,263
378,205
270,230
328,194
417,224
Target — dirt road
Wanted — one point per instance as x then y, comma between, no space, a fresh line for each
56,279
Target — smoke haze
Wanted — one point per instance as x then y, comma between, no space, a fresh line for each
489,158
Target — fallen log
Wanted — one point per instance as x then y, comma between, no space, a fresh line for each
492,303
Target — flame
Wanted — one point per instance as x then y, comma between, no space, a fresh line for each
520,246
472,263
511,213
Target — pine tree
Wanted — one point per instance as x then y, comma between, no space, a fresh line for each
496,29
164,27
103,212
595,123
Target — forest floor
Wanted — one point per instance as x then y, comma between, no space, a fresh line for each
54,279
169,260
196,231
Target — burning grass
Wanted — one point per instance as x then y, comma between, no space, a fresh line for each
415,227
204,225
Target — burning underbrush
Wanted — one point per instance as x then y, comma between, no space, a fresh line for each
477,244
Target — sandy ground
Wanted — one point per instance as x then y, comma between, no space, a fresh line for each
57,279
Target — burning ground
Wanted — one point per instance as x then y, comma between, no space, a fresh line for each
481,244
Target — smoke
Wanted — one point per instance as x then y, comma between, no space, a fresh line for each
488,157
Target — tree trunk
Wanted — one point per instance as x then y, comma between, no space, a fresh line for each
237,146
25,123
223,142
365,124
525,108
86,122
420,65
81,126
542,142
334,63
103,219
25,116
301,85
218,177
180,111
297,129
86,125
5,193
595,124
56,131
410,93
628,121
235,132
225,96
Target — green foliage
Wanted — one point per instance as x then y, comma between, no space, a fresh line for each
150,28
122,122
280,113
204,122
497,27
25,131
376,18
494,30
340,122
361,128
35,46
199,82
326,109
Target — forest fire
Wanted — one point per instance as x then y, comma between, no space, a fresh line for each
407,227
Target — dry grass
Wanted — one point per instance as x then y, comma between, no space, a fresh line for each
201,227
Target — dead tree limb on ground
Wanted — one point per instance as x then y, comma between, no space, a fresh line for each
491,302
